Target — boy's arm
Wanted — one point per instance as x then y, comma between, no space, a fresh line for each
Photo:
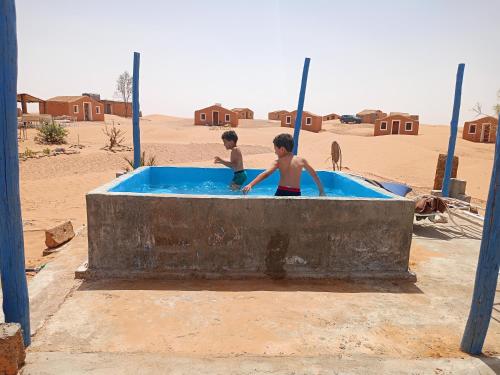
218,160
260,177
314,175
235,156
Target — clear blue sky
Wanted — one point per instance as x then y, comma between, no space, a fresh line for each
394,55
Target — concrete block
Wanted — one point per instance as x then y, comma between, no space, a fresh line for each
437,193
59,235
457,187
12,354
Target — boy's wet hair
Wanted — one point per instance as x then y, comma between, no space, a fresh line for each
230,135
284,140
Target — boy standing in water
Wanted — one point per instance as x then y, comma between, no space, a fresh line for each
230,139
290,167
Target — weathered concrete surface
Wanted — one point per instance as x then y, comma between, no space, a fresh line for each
49,288
150,363
134,235
282,327
12,352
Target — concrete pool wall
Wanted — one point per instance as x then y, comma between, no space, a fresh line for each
137,235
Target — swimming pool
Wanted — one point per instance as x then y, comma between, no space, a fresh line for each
184,222
215,181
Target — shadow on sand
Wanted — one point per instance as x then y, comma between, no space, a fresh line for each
492,362
447,232
252,285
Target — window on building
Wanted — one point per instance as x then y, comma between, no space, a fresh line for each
203,116
227,117
472,129
309,120
383,125
288,120
97,109
75,109
408,126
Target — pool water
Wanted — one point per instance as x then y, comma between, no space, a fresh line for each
215,181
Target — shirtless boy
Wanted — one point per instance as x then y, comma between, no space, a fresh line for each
290,168
230,139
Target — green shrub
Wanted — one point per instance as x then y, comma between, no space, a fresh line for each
51,133
143,162
46,151
28,153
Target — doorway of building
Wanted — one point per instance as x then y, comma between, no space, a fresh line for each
485,133
215,118
108,108
87,113
395,127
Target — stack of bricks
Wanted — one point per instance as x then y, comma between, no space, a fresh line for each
438,180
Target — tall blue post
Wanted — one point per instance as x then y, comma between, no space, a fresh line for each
135,111
300,107
487,267
453,131
14,285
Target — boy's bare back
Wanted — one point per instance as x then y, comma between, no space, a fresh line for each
290,167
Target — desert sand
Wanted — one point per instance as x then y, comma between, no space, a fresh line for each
53,188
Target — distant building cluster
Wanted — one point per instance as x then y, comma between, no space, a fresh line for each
90,107
85,107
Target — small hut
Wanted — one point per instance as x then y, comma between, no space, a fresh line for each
482,130
414,117
369,116
277,115
243,113
331,116
27,98
310,121
396,124
81,108
112,107
215,115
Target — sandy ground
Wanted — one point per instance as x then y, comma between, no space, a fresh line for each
265,326
53,188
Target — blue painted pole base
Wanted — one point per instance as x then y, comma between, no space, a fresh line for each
487,267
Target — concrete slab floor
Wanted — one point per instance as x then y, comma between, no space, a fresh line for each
276,326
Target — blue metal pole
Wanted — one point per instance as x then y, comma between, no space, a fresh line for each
453,131
14,285
487,267
300,107
135,111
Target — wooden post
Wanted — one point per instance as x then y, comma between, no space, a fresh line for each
300,107
14,285
453,130
135,111
487,267
24,109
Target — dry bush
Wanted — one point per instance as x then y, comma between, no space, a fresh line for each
115,138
